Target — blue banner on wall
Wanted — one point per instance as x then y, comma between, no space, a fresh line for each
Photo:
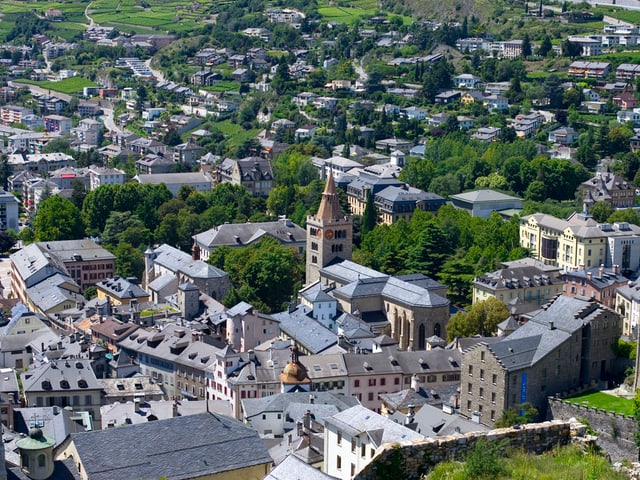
523,390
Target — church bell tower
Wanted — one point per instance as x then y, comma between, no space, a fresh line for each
329,233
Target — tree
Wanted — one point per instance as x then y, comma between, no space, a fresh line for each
7,240
526,46
369,216
545,46
58,218
601,211
129,260
482,319
125,224
524,413
265,272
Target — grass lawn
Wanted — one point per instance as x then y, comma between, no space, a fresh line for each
604,401
68,85
234,133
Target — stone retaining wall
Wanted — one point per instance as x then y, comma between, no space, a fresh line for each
411,460
615,432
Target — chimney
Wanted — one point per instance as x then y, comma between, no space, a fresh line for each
589,276
290,439
306,419
311,398
174,411
601,271
551,325
252,356
415,385
582,266
136,405
299,429
616,269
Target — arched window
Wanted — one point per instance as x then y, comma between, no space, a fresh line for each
437,330
41,460
422,340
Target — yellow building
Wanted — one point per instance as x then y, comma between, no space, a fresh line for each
120,291
580,241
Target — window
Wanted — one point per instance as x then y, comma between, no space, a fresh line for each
481,392
481,374
372,382
339,440
482,356
494,378
363,449
371,396
469,405
356,383
471,370
339,462
383,381
353,445
470,389
396,381
353,469
493,397
41,460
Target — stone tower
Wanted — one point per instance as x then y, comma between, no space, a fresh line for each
329,233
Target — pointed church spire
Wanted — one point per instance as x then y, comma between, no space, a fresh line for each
330,204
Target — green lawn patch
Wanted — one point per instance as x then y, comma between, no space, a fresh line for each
68,85
234,133
604,401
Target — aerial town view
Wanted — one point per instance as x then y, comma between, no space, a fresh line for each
319,239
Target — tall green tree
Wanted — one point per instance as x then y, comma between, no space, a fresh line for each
482,319
369,216
58,218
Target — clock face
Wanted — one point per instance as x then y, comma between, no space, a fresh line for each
328,234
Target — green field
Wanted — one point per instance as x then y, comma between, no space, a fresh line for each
347,12
68,85
631,16
604,401
235,133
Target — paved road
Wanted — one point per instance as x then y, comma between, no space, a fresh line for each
625,4
40,90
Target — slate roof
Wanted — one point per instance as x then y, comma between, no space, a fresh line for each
55,422
121,288
62,470
359,419
176,448
298,402
481,196
235,234
535,339
592,276
50,377
292,468
307,331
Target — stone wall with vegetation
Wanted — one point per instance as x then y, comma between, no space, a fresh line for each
412,460
615,432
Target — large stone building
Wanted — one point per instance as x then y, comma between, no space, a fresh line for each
580,241
329,233
608,188
254,173
568,344
411,307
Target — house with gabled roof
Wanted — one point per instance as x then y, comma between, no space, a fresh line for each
205,445
64,383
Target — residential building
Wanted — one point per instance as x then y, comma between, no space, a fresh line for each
57,123
528,280
9,211
187,153
353,436
167,264
243,234
482,203
512,48
581,68
590,46
254,173
610,188
391,144
565,346
329,233
105,331
191,447
68,383
597,283
495,102
82,262
99,176
487,134
628,307
278,414
88,131
39,162
11,114
201,182
395,203
563,136
466,80
153,164
120,291
247,328
580,241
